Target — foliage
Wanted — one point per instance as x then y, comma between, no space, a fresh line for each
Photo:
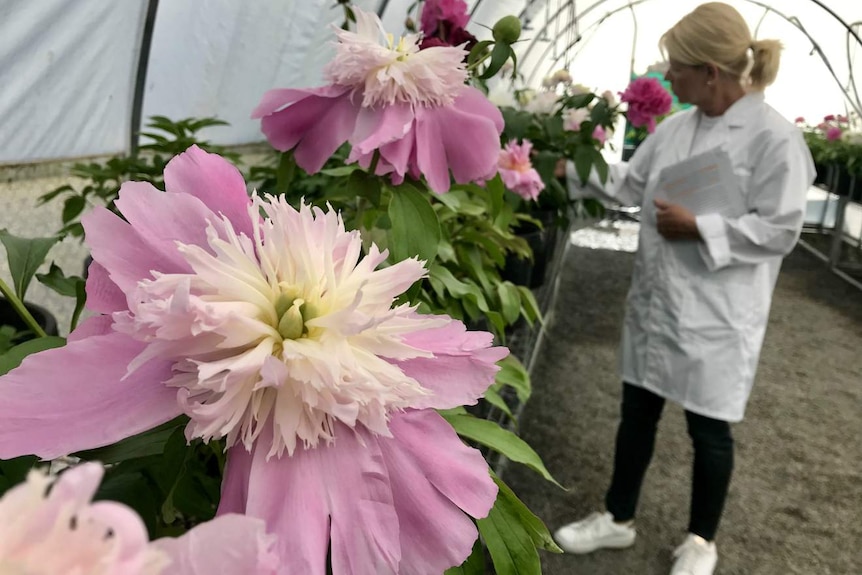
102,181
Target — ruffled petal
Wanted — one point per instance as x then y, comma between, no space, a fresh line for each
341,491
214,181
434,476
463,137
72,398
463,366
227,545
315,125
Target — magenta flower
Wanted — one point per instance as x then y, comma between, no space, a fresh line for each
834,133
61,532
517,171
271,328
411,106
829,118
647,99
799,120
453,13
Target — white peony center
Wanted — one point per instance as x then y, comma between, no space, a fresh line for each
282,335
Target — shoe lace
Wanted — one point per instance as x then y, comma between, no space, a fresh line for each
591,525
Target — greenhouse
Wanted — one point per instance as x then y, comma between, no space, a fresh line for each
417,287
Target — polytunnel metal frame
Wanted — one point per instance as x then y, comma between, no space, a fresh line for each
532,6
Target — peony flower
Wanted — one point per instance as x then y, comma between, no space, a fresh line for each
542,103
834,133
799,120
647,99
411,106
61,532
829,118
517,171
574,117
453,13
600,135
269,327
558,77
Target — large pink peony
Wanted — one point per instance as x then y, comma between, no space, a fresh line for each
410,105
61,532
271,328
647,99
517,172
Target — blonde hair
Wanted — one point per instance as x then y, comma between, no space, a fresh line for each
715,33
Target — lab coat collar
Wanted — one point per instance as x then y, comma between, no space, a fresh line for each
741,111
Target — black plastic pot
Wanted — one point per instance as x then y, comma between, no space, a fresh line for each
822,176
8,316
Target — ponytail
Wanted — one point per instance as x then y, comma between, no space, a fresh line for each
767,57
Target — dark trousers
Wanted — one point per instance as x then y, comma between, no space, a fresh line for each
713,460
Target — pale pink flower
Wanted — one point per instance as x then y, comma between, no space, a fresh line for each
271,328
543,103
799,120
834,133
600,135
410,105
647,99
574,117
517,170
62,532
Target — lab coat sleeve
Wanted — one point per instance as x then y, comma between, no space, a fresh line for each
626,180
776,200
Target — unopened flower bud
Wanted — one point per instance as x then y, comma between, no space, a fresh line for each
507,29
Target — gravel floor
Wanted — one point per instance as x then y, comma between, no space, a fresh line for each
795,505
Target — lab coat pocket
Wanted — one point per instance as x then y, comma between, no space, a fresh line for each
722,304
743,182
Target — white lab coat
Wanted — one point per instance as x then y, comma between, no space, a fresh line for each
697,311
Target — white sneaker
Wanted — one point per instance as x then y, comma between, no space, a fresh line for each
598,531
696,556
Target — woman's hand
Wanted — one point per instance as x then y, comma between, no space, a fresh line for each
674,222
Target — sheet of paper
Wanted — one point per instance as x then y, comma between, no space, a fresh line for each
703,184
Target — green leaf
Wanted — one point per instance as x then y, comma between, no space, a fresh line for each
501,440
474,565
514,374
511,548
583,162
13,358
529,305
510,506
72,208
144,444
25,255
499,55
57,281
415,229
479,50
80,302
285,173
494,398
341,171
510,300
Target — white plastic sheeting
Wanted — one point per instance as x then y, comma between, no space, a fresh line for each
68,68
66,77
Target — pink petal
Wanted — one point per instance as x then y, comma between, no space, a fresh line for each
315,125
463,137
345,483
72,398
92,326
433,475
214,181
462,368
378,126
103,295
125,255
227,545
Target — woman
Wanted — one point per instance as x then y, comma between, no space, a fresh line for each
702,284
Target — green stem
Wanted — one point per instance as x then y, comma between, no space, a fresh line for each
478,62
375,159
22,311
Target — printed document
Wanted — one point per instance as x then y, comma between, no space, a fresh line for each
703,184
